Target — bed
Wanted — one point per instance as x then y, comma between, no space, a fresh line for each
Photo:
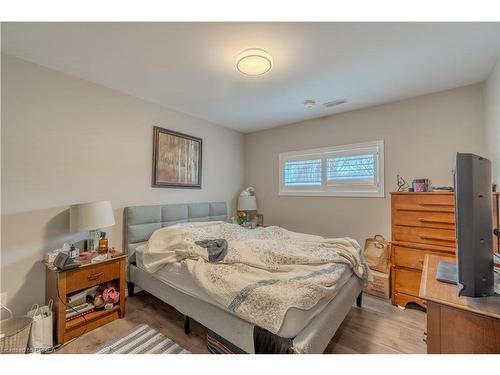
309,331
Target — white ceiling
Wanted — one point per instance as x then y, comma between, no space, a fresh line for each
190,67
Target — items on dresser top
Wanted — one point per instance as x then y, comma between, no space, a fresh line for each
64,262
421,185
83,259
51,256
422,223
103,243
401,183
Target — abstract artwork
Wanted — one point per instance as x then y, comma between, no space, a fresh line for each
176,159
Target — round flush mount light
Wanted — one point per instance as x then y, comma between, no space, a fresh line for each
254,62
309,103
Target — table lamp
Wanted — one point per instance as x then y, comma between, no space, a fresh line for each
247,203
91,217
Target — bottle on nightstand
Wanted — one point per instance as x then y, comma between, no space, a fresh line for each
103,243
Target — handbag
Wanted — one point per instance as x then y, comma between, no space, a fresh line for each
41,336
377,254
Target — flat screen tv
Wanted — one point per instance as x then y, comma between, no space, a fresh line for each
474,227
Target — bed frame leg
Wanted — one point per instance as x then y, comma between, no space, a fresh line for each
359,300
187,325
130,289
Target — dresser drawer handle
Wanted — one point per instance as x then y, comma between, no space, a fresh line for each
437,204
94,276
437,238
435,221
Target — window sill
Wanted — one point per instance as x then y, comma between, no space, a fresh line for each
333,194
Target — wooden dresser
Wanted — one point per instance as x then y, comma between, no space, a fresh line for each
422,224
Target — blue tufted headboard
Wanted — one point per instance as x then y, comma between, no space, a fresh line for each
139,222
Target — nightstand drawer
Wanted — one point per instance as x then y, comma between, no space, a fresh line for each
89,276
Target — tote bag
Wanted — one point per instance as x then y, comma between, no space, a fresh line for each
377,253
41,337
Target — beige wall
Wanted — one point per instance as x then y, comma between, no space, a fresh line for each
65,140
422,136
492,120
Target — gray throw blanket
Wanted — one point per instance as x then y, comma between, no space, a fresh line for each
217,249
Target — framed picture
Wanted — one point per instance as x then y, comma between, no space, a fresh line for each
176,159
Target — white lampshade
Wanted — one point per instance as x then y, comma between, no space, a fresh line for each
90,216
247,203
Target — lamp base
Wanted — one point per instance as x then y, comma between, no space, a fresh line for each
93,240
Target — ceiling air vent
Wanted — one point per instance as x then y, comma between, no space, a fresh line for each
333,103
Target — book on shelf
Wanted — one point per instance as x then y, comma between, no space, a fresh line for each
79,315
76,297
77,302
77,307
69,314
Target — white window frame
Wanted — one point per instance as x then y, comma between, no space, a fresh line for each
337,190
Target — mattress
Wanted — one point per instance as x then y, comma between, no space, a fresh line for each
177,276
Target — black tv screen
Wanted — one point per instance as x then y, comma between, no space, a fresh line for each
473,215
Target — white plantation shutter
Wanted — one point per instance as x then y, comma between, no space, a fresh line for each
349,170
302,172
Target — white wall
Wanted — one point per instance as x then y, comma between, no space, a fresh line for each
65,140
492,120
422,136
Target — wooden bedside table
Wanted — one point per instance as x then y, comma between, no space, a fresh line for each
86,276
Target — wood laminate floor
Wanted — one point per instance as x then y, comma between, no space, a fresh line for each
378,327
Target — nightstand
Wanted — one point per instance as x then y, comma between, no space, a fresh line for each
64,283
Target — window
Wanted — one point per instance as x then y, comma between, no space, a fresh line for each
352,170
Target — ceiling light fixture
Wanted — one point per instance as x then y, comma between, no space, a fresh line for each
254,62
309,103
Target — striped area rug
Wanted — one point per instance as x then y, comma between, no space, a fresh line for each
141,340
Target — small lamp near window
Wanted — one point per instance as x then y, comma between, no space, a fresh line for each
248,204
91,217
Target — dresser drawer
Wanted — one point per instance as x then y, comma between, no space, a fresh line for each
428,219
430,236
90,276
412,258
406,281
407,257
424,202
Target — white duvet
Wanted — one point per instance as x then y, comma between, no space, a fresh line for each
265,272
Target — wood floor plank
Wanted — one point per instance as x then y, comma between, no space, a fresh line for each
378,327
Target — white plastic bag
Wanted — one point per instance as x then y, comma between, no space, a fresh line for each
41,336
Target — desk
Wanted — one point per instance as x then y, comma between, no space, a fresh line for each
457,324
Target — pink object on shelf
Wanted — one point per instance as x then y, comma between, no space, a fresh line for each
110,294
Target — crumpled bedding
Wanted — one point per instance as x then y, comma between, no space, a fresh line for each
264,272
